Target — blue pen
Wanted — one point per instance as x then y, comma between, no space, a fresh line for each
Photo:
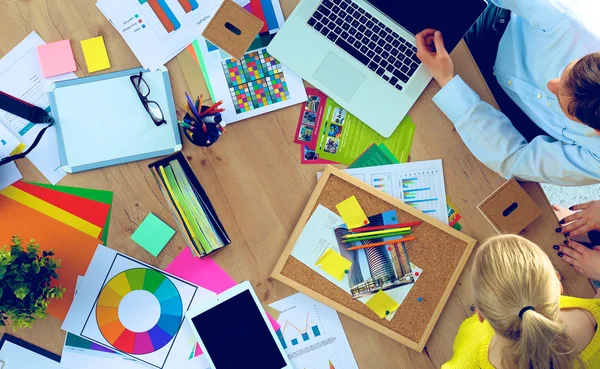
191,104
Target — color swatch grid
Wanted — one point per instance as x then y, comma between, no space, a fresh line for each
255,81
113,328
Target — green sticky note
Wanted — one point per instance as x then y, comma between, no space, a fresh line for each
153,234
105,197
382,304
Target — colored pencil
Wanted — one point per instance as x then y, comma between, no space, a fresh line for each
210,110
379,228
405,239
375,237
375,233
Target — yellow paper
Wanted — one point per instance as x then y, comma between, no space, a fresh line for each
382,304
351,212
334,264
52,211
95,54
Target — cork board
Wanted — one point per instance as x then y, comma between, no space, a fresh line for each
233,29
509,209
441,251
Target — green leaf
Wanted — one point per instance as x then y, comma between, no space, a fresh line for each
21,292
36,266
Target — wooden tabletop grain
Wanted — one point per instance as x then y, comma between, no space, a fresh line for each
255,180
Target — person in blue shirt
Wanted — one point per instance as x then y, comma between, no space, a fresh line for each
548,65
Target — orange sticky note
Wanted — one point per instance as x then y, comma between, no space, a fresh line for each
95,54
351,212
382,304
74,248
334,264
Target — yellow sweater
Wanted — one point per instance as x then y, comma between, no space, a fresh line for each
472,343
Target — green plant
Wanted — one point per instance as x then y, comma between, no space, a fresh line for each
25,279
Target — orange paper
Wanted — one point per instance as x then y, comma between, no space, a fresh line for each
74,248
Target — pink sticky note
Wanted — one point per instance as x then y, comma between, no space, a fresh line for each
56,58
205,273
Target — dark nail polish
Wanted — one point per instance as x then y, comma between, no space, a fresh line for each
556,247
562,221
570,208
560,254
566,242
567,234
558,230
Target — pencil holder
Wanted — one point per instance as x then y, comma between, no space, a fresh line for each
207,138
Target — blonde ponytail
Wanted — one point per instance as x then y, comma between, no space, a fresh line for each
516,290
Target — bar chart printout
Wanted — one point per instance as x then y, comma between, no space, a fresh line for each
418,184
312,335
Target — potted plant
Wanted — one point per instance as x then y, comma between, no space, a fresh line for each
25,278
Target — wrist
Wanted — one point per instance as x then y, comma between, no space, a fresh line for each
444,80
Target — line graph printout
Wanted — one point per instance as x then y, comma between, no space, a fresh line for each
419,184
312,334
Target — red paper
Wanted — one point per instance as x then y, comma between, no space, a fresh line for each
89,210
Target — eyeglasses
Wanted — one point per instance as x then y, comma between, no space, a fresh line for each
152,107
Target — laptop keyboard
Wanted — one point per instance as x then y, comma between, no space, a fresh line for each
368,40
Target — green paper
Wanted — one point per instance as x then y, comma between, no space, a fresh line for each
203,68
389,154
105,197
153,234
374,156
343,138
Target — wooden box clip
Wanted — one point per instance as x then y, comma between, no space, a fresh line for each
509,209
233,29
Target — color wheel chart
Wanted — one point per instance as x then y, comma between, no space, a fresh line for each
125,325
255,81
422,190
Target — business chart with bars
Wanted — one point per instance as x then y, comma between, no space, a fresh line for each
171,15
422,191
255,81
292,333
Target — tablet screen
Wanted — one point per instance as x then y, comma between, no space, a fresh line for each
236,335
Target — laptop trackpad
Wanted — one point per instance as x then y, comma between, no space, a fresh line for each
339,76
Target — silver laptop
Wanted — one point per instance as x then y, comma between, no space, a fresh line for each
363,54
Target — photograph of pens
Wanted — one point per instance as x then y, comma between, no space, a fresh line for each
376,244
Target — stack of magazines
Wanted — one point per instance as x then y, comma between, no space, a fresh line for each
190,205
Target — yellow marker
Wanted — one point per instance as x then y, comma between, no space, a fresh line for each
377,233
95,54
382,304
351,212
52,211
334,264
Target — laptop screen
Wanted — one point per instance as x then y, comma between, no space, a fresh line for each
453,18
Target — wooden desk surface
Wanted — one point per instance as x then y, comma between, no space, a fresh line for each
254,178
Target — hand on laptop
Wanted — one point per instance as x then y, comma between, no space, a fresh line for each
433,54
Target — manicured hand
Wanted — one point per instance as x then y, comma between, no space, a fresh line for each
433,54
583,260
587,218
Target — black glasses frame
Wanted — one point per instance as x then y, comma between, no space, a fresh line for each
137,83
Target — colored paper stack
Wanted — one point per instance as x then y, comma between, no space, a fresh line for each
453,214
71,221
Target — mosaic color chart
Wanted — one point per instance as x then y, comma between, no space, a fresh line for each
255,81
111,297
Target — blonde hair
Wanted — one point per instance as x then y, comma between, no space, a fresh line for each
509,274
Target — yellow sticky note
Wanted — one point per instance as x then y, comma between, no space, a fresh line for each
334,264
95,54
351,212
382,304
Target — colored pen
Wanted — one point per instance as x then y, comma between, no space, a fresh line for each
187,126
376,233
375,237
379,228
212,118
405,239
191,104
209,110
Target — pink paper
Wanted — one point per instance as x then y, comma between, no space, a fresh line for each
205,273
56,58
